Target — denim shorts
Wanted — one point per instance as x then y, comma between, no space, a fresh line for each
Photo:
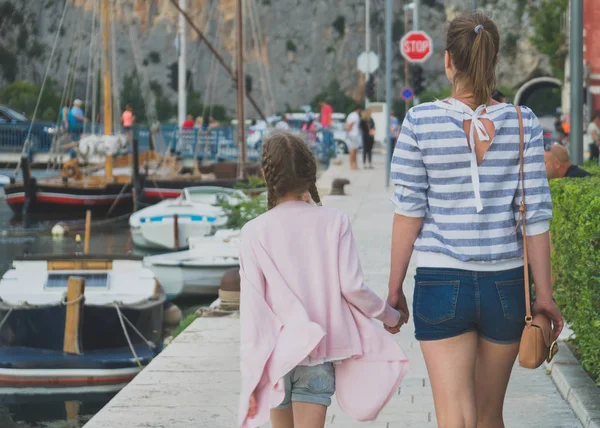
309,384
450,302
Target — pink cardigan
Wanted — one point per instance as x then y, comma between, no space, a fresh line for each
302,293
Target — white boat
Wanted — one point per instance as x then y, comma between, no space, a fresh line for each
169,224
197,271
120,327
4,180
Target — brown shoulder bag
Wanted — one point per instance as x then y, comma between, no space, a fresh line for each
536,345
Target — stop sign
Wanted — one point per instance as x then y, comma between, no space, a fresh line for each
416,46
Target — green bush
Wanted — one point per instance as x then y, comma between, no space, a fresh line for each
575,229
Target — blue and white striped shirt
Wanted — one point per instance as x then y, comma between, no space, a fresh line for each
469,224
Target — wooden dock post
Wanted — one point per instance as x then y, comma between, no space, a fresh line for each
74,315
176,231
88,226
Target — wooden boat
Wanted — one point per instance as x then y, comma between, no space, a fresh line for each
119,327
197,271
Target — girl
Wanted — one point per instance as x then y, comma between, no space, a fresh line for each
306,314
456,169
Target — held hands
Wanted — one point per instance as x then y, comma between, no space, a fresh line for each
398,302
550,309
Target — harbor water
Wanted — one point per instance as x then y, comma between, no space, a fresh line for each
22,408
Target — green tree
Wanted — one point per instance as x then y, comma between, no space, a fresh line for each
22,97
334,95
548,36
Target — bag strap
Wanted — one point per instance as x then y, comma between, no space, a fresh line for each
523,215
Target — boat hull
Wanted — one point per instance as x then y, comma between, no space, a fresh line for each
31,345
71,201
185,280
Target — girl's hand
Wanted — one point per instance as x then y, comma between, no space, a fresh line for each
252,408
396,328
398,302
549,308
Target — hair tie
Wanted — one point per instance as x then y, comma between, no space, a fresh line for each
478,28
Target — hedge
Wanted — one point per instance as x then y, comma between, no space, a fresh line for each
575,229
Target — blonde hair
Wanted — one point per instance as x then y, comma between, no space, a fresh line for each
289,167
366,114
473,43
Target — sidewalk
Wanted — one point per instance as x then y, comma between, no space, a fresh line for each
194,382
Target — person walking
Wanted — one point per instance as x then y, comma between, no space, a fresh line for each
456,169
353,135
593,137
367,128
307,318
127,120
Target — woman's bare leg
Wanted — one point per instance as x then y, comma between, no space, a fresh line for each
282,418
309,415
493,368
451,367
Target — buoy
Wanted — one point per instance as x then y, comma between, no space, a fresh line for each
59,230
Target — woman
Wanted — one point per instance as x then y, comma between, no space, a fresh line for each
456,170
367,128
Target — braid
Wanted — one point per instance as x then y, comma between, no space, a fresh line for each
314,194
289,167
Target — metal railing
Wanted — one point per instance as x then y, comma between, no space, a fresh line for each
213,144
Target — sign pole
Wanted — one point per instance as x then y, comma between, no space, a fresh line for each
388,87
576,63
367,44
405,60
416,28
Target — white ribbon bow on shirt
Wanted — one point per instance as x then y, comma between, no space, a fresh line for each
476,124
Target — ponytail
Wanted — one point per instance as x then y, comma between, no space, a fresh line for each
473,43
481,70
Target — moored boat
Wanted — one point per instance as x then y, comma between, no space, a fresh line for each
119,329
170,224
197,271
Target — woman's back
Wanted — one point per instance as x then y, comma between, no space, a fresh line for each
471,210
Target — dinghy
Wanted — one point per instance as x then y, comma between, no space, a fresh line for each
117,329
197,271
170,224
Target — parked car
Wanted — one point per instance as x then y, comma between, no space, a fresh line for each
14,128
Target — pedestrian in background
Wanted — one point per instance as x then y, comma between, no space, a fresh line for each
76,119
127,120
593,137
353,135
307,318
326,119
367,128
458,208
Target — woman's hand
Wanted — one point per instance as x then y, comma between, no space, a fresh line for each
398,302
550,309
252,407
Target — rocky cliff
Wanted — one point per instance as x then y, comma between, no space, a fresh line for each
294,48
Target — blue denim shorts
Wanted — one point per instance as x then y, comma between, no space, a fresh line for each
309,384
450,302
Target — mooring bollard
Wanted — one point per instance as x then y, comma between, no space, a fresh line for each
229,291
337,186
74,315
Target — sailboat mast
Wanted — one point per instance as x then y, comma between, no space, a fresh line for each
107,80
181,70
241,95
